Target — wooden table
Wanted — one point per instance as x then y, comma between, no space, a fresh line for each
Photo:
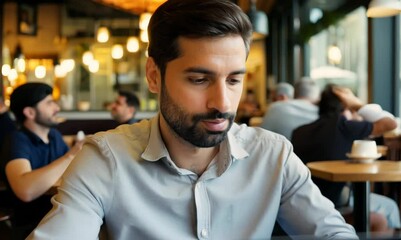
360,174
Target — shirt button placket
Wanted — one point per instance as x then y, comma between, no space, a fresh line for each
202,210
204,233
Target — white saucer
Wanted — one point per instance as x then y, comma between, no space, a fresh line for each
364,159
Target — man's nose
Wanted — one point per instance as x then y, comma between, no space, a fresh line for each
219,97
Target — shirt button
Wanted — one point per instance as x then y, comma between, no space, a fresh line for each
204,233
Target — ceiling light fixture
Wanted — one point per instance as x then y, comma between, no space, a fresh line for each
117,51
133,44
334,54
103,34
144,20
383,8
259,20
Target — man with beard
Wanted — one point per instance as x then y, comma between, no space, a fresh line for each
35,156
124,108
190,172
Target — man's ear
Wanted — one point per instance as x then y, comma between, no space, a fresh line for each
29,112
153,76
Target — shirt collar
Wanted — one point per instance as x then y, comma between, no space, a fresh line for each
35,138
156,149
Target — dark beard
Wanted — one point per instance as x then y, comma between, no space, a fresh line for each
187,126
43,122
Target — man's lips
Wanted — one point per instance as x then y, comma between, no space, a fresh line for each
216,125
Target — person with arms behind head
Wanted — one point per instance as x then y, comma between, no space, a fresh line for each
35,155
124,108
191,172
343,118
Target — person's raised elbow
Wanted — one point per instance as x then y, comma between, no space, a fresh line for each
383,125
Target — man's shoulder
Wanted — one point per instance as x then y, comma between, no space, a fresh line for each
137,131
250,134
20,135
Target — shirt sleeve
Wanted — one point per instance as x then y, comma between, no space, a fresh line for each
355,129
304,210
82,199
19,146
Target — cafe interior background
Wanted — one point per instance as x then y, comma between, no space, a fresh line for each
87,49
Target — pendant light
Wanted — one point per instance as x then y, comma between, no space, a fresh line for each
103,34
133,44
144,20
117,51
259,21
383,8
40,71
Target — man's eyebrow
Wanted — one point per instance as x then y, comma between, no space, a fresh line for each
209,72
198,70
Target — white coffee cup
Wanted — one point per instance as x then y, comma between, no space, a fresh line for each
80,135
84,105
364,148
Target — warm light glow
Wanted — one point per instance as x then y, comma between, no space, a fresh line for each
117,51
21,65
40,72
334,54
5,69
384,8
144,20
103,34
13,75
87,57
9,90
144,36
59,71
133,44
94,66
68,65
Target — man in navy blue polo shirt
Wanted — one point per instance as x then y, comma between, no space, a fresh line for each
36,155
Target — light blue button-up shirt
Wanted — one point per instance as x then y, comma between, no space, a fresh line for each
126,179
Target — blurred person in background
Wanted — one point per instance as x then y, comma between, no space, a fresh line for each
35,155
343,118
124,108
248,108
283,92
284,116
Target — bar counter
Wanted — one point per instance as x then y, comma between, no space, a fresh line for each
91,121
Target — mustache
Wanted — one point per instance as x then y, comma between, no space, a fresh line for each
213,115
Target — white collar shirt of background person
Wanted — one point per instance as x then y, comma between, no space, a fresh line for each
125,176
283,117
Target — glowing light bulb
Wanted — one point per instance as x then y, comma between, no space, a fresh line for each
5,69
87,57
103,35
40,71
117,51
133,44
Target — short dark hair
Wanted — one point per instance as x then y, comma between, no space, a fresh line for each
193,19
131,98
330,105
28,95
